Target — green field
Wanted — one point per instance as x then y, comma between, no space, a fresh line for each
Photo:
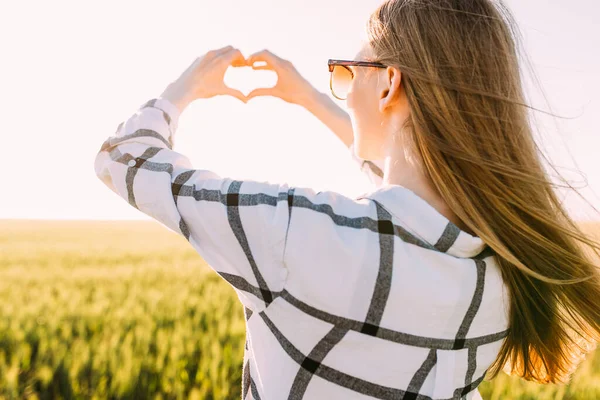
128,310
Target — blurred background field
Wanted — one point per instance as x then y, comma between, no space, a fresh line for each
128,310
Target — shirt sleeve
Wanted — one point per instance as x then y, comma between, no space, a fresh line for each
372,169
238,227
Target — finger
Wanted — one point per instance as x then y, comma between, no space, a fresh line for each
239,62
223,50
263,55
259,92
260,67
234,57
214,53
231,56
235,93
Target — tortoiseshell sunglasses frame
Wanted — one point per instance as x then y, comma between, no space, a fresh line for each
344,63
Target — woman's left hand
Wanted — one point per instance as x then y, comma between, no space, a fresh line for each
204,78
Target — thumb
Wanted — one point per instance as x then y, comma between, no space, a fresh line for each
260,92
235,93
262,67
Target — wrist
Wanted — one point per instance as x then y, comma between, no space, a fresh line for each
312,99
176,96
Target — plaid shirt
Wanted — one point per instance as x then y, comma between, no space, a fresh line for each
374,297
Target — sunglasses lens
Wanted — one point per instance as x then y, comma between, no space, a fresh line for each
341,78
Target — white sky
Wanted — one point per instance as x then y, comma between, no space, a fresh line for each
73,70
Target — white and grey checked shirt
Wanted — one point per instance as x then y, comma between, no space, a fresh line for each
374,297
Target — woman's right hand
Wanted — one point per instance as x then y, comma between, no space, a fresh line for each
290,86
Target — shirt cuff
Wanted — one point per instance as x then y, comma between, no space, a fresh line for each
142,121
171,110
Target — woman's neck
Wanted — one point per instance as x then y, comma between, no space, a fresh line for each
401,170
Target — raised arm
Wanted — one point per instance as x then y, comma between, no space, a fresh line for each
239,227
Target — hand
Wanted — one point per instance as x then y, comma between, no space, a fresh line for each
290,86
204,78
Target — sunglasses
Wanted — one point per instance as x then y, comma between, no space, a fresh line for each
341,76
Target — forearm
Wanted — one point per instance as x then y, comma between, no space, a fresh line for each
177,95
332,115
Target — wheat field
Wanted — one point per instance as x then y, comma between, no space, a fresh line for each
128,310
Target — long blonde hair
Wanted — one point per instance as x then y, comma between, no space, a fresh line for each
469,128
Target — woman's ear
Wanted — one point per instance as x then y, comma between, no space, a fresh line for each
390,90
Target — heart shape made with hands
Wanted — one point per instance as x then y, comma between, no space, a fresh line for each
245,79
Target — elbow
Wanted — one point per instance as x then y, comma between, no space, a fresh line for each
101,161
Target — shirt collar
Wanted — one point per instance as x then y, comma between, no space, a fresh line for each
422,220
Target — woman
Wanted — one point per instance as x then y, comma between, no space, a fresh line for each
460,263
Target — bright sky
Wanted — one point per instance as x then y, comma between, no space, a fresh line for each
73,70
